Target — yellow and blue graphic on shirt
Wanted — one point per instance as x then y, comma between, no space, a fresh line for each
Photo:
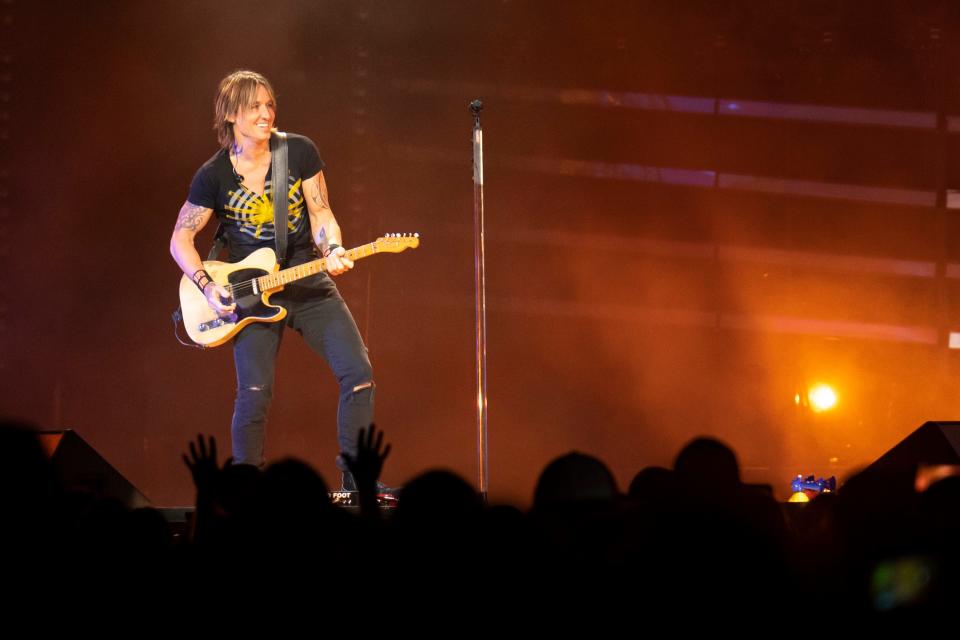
253,212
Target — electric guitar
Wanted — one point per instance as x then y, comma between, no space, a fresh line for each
252,281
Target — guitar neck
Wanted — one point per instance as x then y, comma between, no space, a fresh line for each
292,274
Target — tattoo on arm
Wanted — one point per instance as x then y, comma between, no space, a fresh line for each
319,195
191,217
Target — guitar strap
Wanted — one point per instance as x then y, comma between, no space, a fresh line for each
278,144
279,188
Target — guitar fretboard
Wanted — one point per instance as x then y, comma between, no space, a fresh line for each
292,274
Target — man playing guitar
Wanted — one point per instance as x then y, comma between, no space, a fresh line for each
236,186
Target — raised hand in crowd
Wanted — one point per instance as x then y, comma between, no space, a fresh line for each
202,463
367,466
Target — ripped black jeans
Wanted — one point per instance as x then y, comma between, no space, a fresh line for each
321,316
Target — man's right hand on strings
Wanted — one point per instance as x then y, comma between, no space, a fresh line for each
215,295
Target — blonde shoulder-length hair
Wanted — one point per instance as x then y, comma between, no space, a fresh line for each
237,90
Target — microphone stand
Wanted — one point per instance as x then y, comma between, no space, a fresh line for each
480,286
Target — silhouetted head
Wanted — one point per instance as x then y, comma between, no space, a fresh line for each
707,463
438,498
652,484
574,477
291,488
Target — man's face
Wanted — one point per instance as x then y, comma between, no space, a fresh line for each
253,122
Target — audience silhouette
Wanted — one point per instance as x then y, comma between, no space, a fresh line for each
693,539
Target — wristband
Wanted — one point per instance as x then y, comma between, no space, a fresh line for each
330,248
201,278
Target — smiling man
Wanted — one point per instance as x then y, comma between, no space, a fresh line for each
236,186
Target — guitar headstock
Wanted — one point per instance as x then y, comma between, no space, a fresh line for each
397,242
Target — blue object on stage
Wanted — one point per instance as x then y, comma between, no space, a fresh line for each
811,483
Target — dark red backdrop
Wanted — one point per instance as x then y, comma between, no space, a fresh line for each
629,310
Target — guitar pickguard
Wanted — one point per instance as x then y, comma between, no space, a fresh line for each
251,304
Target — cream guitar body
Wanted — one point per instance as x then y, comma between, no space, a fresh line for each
252,281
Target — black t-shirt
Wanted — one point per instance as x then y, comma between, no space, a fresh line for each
248,216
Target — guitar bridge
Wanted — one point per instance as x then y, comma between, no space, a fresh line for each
218,322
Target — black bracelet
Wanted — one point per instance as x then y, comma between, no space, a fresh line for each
330,248
201,278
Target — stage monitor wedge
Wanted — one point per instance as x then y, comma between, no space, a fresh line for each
81,468
932,444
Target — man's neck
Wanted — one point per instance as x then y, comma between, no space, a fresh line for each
251,151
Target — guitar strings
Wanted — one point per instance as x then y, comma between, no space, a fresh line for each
246,287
